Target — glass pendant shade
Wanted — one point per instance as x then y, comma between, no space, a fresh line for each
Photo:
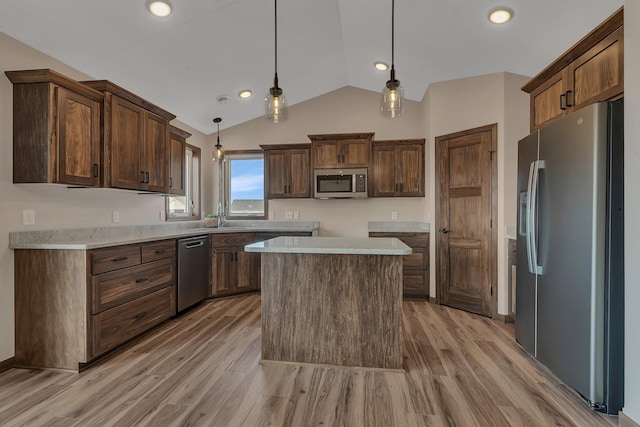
275,105
392,104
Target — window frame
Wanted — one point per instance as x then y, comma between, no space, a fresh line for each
225,190
195,182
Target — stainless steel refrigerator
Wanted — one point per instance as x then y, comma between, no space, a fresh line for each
570,256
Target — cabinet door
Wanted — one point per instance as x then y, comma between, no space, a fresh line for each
326,154
176,164
355,153
78,130
384,171
299,173
248,269
155,153
276,174
224,272
410,170
598,75
127,133
546,102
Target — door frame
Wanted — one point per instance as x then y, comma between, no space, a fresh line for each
494,210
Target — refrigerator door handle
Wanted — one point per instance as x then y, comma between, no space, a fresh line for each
528,215
533,207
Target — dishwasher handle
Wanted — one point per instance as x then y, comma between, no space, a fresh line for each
194,245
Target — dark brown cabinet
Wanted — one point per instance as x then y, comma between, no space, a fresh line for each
233,270
136,140
177,147
346,150
415,268
287,171
56,129
398,168
590,71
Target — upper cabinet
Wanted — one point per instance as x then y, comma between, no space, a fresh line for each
591,71
56,129
346,150
287,172
135,140
177,149
398,168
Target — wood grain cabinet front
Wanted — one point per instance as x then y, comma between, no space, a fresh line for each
233,270
177,150
398,168
345,150
415,268
74,305
56,129
136,142
591,71
287,171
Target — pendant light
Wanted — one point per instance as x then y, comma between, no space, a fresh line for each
392,104
218,146
275,104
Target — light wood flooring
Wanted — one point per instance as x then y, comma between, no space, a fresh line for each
202,369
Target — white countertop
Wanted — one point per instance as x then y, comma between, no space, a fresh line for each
398,227
332,245
101,237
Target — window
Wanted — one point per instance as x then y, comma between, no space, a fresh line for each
244,185
187,207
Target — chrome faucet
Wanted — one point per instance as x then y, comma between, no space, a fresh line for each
221,217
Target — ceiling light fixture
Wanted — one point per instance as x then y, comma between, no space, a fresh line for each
500,15
160,8
218,146
245,94
275,104
392,104
381,66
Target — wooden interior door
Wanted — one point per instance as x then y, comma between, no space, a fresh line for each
466,240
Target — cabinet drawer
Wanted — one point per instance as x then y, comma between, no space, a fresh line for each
232,239
158,250
117,287
109,259
416,261
413,240
119,324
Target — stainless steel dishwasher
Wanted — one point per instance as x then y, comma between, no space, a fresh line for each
193,271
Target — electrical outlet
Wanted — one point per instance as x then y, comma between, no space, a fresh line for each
288,215
115,216
394,215
296,215
28,217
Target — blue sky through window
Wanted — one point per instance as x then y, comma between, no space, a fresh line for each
247,179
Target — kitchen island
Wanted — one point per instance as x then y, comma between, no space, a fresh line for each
332,301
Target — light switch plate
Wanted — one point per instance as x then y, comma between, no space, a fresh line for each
288,215
28,217
296,215
394,215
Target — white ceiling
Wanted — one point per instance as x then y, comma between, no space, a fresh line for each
207,48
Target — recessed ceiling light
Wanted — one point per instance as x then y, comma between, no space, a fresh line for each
160,8
244,94
500,15
381,66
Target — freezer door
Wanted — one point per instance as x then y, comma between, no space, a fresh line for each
571,249
525,314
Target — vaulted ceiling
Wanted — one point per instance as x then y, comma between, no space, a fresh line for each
208,48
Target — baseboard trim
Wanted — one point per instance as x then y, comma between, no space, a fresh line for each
624,421
5,365
505,318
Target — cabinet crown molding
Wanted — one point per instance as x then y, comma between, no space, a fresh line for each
49,76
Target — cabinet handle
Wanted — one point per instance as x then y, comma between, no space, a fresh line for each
124,258
401,187
569,104
160,251
142,280
396,188
146,174
563,101
170,182
142,172
141,315
96,170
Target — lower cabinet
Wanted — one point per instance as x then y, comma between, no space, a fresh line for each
75,305
415,269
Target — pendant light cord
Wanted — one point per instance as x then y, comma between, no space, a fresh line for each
275,3
393,20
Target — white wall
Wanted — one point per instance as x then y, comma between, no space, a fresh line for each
55,206
345,110
632,207
457,105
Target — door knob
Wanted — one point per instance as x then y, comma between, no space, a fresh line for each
444,230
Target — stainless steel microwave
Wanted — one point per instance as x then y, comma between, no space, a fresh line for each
340,183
